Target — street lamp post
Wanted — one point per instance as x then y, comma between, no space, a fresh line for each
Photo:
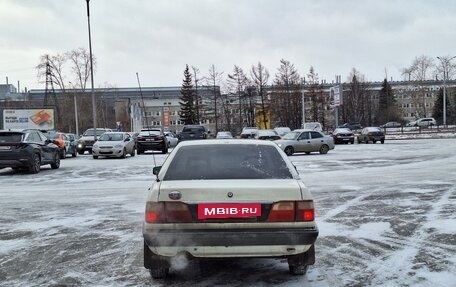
94,107
75,111
445,63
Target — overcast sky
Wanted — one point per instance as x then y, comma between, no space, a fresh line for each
158,38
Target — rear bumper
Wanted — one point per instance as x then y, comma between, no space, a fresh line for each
15,162
231,237
150,145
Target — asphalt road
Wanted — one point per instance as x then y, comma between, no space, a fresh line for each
386,215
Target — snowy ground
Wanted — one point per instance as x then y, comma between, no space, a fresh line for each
386,215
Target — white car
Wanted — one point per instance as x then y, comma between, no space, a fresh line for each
305,141
114,144
223,198
172,140
224,135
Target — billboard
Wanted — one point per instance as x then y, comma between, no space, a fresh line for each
29,119
335,96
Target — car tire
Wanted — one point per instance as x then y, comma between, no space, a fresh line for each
157,265
382,141
56,163
324,149
74,154
298,269
307,152
133,152
374,141
352,142
139,151
81,152
95,157
62,153
36,164
165,150
289,150
124,152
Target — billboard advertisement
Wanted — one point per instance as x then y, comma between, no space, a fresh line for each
335,96
29,119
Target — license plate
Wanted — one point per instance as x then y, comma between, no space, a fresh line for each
228,210
5,147
149,140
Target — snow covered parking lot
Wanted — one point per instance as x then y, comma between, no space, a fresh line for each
386,215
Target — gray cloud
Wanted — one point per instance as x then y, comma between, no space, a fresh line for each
157,38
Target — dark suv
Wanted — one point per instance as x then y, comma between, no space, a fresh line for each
27,150
151,139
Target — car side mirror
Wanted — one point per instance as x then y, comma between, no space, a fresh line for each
156,170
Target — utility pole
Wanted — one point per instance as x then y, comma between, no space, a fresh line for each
94,104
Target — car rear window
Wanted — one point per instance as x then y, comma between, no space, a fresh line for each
193,129
198,162
11,137
150,133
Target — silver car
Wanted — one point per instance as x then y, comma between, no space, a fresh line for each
224,198
114,144
305,141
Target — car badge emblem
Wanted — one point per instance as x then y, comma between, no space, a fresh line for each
175,195
230,194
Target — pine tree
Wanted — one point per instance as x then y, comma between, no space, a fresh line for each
387,106
187,100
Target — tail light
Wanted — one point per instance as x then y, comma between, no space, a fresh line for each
167,212
292,211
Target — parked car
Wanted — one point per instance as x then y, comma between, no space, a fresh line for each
192,132
134,136
305,141
270,135
249,133
391,125
66,146
172,139
281,131
352,126
343,136
73,141
114,144
27,150
425,122
224,135
371,134
151,139
87,139
57,140
218,198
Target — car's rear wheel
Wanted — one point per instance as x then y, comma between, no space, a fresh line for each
81,152
157,265
289,150
299,263
324,149
74,153
298,269
56,163
36,164
62,153
140,151
165,150
95,157
133,152
382,141
374,141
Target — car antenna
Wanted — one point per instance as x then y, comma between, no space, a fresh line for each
145,114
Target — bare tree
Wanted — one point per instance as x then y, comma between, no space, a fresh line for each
286,99
260,77
319,100
80,66
419,71
214,79
238,83
357,105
